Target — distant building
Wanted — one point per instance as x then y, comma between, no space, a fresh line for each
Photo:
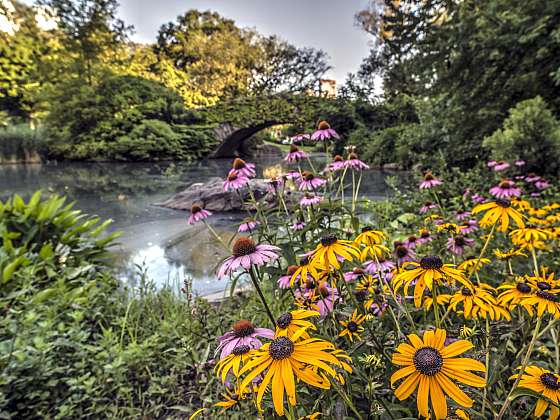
327,88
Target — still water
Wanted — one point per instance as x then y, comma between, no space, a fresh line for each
156,238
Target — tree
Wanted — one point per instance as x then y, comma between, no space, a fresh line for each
282,67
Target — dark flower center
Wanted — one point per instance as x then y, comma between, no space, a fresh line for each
323,125
243,328
412,239
505,184
352,156
352,326
401,251
338,158
308,176
503,203
431,262
329,239
304,260
324,290
361,295
239,350
428,361
195,209
294,149
460,240
425,234
366,229
550,381
547,296
292,269
543,286
309,284
523,287
358,271
244,246
466,291
428,203
239,164
281,348
284,320
428,176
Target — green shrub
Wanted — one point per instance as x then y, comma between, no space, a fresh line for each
531,133
76,343
20,143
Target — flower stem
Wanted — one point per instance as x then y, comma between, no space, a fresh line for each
482,251
536,265
522,370
436,308
487,365
261,296
218,237
346,399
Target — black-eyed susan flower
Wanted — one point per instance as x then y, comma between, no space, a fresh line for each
450,228
514,293
370,237
471,262
544,280
545,383
508,255
478,302
232,362
544,301
284,360
530,237
374,251
431,367
430,269
352,327
306,270
313,416
441,300
499,211
291,322
232,397
331,251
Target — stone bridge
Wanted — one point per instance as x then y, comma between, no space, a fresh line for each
237,120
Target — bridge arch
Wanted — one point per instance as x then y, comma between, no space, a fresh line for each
231,138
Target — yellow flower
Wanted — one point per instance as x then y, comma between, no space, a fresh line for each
542,382
312,416
450,228
429,269
544,281
470,263
514,294
542,301
432,217
370,237
529,237
462,414
330,249
478,303
284,360
441,300
520,204
231,398
374,251
509,254
307,268
232,362
291,322
467,332
352,327
499,211
430,366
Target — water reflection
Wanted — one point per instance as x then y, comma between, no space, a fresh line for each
158,237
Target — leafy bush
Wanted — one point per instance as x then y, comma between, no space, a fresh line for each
531,133
76,343
20,143
124,118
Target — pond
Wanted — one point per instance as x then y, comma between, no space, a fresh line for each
156,238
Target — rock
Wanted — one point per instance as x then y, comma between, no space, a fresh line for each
212,196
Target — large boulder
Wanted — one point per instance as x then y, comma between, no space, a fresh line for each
211,196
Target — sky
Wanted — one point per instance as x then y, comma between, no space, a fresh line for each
325,24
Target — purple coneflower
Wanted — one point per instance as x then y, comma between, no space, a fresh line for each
273,184
384,266
430,181
324,131
295,154
457,244
428,205
355,274
197,214
293,175
542,184
235,181
425,236
403,253
471,226
377,309
248,225
327,298
284,282
297,226
477,198
246,254
310,182
411,242
491,163
354,163
310,200
519,163
462,214
501,166
243,333
337,164
532,177
505,189
243,168
300,138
